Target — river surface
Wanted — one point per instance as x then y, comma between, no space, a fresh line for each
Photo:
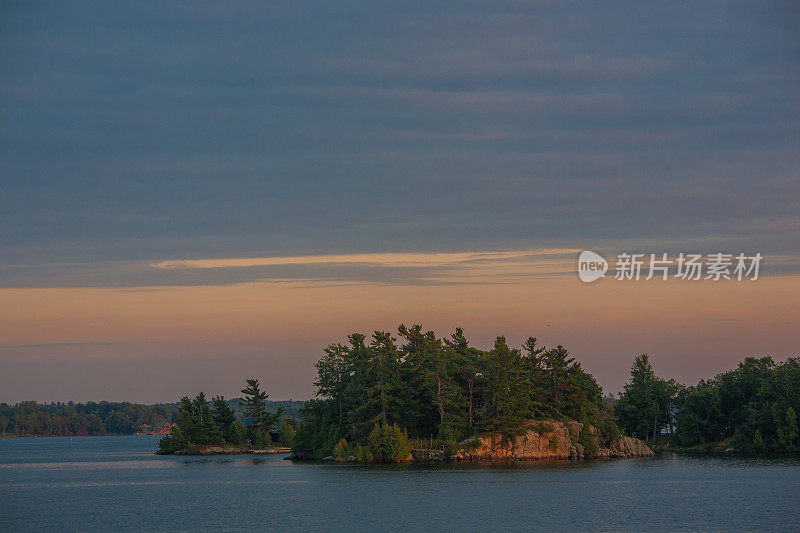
116,483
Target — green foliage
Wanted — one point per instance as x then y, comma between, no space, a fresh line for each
196,421
224,417
91,418
587,440
609,430
238,434
389,443
261,420
646,405
288,431
341,451
197,424
441,389
507,399
553,443
758,442
318,430
383,402
753,407
787,432
450,437
542,427
173,442
468,377
363,454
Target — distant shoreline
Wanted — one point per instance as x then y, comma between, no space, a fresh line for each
73,436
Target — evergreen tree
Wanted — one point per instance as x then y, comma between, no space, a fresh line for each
582,395
238,434
334,378
288,431
420,413
261,420
205,428
788,431
436,363
187,420
467,361
507,401
224,417
699,416
383,402
536,378
556,363
646,403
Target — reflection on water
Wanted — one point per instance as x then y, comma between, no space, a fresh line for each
116,483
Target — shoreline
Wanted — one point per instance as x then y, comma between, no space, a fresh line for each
74,436
222,449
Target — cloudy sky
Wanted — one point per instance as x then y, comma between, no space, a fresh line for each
192,193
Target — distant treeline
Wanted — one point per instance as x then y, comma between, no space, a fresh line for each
101,418
751,408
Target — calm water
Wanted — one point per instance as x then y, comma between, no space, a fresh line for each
115,483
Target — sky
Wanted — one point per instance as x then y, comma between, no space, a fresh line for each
194,193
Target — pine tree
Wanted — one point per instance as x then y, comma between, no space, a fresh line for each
186,420
536,378
238,434
557,362
224,417
507,403
383,402
467,361
645,405
256,408
206,430
436,363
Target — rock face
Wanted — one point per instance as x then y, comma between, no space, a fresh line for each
625,447
549,440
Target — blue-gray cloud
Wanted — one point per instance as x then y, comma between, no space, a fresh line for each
143,131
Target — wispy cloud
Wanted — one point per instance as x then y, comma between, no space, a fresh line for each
392,268
419,259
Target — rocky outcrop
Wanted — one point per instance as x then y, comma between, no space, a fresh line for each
550,440
625,447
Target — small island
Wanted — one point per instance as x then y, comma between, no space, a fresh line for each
203,429
427,399
432,399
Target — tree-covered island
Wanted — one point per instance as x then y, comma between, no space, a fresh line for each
430,398
201,428
426,397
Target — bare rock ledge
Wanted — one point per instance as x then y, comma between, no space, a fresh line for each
549,440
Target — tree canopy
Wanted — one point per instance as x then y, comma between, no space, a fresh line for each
750,408
432,388
198,423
